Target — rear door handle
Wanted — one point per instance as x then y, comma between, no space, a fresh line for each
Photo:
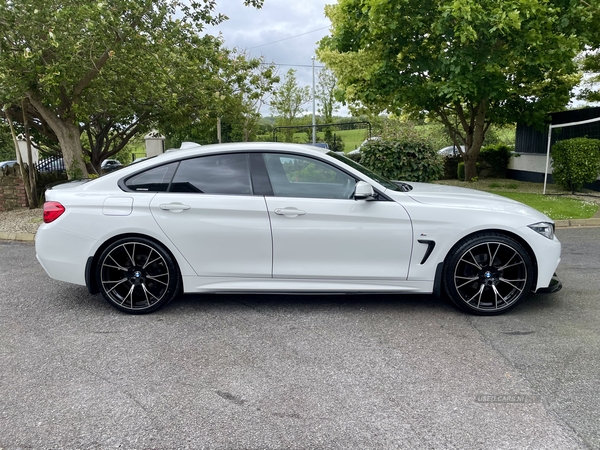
289,212
175,207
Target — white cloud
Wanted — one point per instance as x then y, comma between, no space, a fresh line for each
277,32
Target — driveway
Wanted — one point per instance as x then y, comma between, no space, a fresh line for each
274,371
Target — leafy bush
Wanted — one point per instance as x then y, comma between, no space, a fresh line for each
497,156
355,156
409,160
575,162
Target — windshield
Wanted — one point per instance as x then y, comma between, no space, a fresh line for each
375,176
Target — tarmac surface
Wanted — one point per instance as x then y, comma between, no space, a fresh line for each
299,372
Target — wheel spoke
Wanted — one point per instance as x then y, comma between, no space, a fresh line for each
493,258
504,280
474,263
469,281
128,254
150,262
496,295
154,278
130,293
148,291
118,283
509,261
119,266
512,265
478,293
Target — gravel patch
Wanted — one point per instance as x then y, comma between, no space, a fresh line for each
21,220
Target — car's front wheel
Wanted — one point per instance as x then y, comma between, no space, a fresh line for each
137,275
488,273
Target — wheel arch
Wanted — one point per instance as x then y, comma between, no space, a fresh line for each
90,267
510,234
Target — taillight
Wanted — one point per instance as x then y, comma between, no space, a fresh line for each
52,211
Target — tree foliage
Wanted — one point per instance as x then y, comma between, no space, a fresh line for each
326,94
470,63
104,63
287,100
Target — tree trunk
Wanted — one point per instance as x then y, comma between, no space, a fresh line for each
68,135
33,200
474,128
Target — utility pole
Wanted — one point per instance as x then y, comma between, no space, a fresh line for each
314,119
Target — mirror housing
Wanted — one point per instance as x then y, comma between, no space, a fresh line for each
364,191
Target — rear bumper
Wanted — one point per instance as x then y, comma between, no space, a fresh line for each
63,255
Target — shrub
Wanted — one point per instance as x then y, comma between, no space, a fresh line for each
497,156
355,156
575,162
409,160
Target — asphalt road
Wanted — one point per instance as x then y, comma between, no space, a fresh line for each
272,371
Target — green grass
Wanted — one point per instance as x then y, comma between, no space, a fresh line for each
352,138
555,207
558,204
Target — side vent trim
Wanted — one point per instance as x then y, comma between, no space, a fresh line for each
430,247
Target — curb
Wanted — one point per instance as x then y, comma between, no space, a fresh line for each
22,237
570,223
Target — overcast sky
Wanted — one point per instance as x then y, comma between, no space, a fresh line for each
285,32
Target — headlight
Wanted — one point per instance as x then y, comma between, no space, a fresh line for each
546,229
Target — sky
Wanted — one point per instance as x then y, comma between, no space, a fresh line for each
285,32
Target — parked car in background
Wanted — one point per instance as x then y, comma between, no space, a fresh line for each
451,150
258,217
366,141
319,144
110,165
6,164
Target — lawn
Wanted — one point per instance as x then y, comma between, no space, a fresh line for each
557,204
351,138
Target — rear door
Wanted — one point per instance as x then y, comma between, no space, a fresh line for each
211,215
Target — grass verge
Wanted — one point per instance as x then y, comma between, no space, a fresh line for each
557,204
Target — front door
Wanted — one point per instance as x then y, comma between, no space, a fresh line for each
320,231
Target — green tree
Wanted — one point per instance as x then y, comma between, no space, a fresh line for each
68,58
287,101
326,91
470,63
590,65
7,147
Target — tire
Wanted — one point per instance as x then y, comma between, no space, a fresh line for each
137,275
488,274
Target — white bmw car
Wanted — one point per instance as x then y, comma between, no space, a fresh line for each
272,217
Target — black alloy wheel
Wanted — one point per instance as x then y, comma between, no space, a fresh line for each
488,274
137,275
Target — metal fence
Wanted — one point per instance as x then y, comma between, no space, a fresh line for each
50,164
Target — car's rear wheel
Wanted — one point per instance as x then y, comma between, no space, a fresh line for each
137,275
488,273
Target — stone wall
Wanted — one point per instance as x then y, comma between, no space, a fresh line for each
12,189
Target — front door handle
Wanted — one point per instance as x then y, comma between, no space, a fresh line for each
289,212
174,207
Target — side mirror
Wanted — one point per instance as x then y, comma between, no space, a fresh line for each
363,191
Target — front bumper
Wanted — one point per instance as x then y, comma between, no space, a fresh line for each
554,286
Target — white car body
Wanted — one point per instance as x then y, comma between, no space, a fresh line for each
249,243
